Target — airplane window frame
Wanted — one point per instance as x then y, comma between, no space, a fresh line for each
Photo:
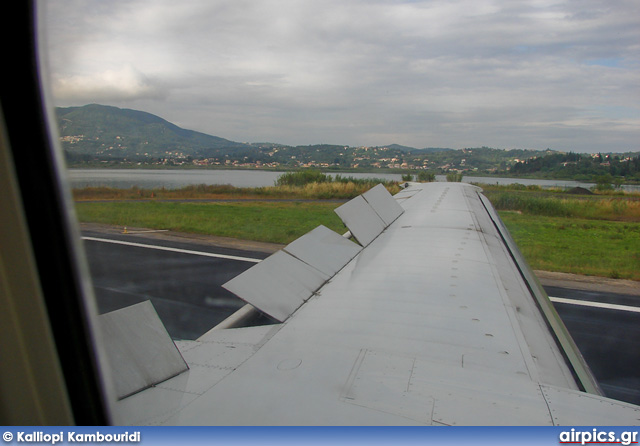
53,232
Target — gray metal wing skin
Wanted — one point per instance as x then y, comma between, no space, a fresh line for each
437,320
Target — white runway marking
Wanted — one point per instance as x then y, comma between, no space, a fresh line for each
178,250
586,303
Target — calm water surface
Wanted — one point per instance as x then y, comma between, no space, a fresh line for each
172,179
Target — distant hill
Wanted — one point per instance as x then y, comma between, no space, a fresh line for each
436,150
112,132
400,147
103,136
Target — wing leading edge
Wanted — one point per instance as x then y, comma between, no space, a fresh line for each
434,321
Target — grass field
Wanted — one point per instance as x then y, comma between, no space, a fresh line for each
578,246
554,204
595,234
276,222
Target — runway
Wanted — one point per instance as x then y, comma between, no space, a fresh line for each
182,276
184,284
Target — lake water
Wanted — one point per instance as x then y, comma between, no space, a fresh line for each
172,179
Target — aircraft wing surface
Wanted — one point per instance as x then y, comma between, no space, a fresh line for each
435,319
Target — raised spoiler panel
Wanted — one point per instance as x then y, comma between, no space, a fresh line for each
281,283
139,349
371,213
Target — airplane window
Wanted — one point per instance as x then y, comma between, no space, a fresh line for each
111,193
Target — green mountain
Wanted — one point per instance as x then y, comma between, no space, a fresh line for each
400,148
110,132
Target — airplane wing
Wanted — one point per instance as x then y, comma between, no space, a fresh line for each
432,319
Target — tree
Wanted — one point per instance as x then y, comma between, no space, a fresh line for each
301,178
454,177
426,177
603,182
617,182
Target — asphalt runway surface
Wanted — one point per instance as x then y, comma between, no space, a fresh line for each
182,277
185,288
608,339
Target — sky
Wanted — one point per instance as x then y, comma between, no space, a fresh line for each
535,74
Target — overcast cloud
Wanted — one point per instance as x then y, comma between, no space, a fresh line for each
464,73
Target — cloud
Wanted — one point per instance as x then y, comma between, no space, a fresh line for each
530,74
126,84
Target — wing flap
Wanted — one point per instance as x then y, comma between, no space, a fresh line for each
139,349
383,203
324,250
363,222
369,214
281,283
278,285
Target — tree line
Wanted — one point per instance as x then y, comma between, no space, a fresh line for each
580,166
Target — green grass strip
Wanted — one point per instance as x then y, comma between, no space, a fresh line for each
280,222
578,246
596,207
